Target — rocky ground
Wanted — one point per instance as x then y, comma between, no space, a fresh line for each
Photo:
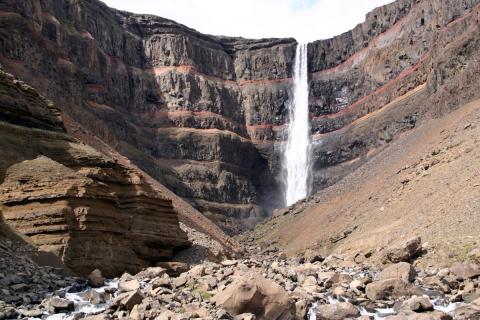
424,183
267,284
25,282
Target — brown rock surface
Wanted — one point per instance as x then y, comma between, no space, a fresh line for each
403,251
390,288
95,278
401,270
465,269
70,199
338,311
206,115
385,198
253,293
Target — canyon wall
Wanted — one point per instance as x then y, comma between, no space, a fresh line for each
73,201
206,115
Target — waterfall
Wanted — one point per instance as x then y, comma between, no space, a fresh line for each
296,157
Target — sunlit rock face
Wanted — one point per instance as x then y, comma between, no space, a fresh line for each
69,199
207,115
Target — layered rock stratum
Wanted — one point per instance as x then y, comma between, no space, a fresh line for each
394,109
70,199
207,115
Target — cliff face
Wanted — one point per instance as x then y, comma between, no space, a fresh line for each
180,104
207,115
71,200
363,81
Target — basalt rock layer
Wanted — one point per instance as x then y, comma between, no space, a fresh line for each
207,115
73,201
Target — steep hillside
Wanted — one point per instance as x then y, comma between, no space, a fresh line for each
425,184
207,115
167,97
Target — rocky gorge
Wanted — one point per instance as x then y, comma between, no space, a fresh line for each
270,285
206,115
142,174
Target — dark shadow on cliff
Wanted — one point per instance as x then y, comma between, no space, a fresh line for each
95,79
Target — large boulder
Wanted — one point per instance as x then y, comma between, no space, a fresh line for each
7,311
465,270
173,269
95,278
434,315
337,311
59,304
401,270
391,288
128,300
403,251
468,312
255,294
419,304
128,285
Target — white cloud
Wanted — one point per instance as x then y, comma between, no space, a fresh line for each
305,20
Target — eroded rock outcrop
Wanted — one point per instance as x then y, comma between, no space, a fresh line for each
253,293
207,115
70,199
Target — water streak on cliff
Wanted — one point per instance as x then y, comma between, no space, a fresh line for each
297,150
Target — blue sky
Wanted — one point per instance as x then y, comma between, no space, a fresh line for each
305,20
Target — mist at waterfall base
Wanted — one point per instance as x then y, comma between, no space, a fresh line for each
296,156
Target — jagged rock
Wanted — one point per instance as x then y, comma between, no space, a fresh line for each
222,314
245,316
390,288
419,304
32,313
7,311
337,311
357,285
253,293
196,272
151,273
173,269
312,256
435,315
95,278
180,281
401,270
404,251
337,278
176,82
128,285
465,270
59,304
93,296
466,313
227,263
164,282
310,284
128,300
166,315
301,309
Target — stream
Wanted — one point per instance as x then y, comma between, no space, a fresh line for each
108,292
439,303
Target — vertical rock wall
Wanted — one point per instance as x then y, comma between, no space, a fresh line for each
207,115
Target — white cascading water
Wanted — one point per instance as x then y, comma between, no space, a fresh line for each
296,157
